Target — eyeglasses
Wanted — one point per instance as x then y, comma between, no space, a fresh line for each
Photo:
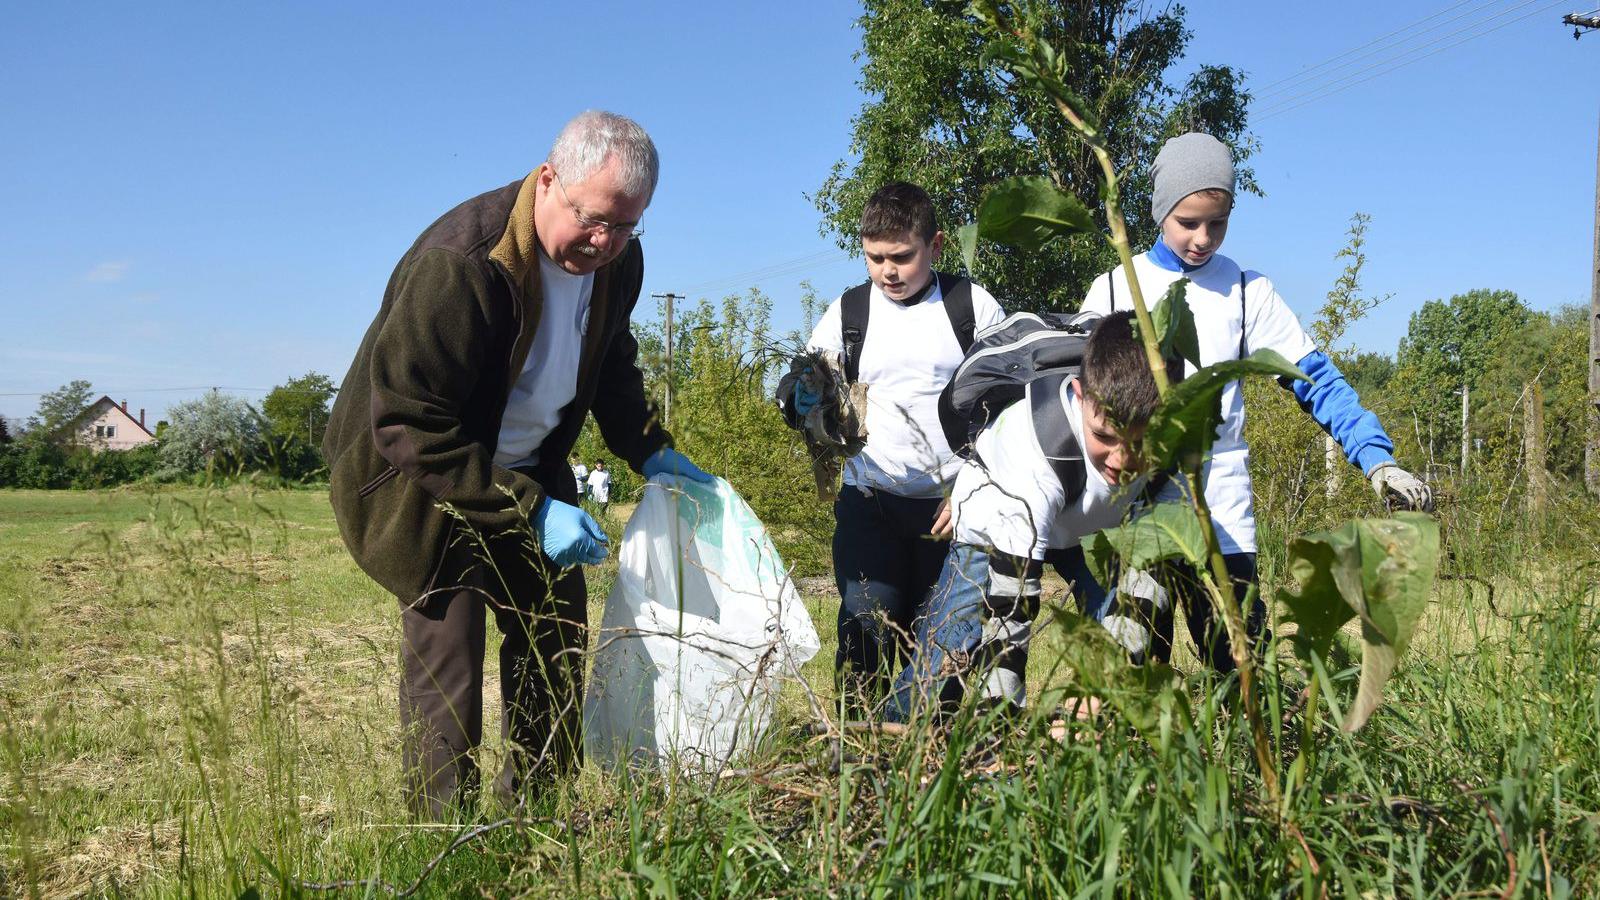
590,223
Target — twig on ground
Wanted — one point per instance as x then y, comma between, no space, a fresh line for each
1500,833
465,838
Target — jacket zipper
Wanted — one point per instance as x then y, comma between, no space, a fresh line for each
378,482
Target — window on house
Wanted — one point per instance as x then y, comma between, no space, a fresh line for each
111,431
105,431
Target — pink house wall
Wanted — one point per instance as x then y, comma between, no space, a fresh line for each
107,426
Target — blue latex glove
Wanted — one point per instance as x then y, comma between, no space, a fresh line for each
668,461
804,400
568,535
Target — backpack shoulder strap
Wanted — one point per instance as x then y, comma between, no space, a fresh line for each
1244,321
1055,433
957,293
854,307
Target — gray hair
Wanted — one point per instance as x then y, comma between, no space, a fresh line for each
594,136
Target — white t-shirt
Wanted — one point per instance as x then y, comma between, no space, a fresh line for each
549,378
1008,498
908,356
600,486
1268,324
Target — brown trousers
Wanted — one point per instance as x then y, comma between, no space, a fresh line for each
543,616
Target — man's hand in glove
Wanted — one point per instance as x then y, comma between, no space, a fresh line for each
1389,478
804,399
568,535
668,461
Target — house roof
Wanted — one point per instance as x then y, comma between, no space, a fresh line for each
90,409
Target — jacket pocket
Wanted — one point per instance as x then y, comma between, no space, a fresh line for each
382,479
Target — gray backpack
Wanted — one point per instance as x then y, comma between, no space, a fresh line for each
1025,356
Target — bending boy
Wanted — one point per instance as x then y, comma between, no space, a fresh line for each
1013,515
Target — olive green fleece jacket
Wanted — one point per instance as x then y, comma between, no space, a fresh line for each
418,416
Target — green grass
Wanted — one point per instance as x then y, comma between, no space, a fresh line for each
197,697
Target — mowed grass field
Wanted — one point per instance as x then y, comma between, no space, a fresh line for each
197,698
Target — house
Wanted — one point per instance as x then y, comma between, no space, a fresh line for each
106,425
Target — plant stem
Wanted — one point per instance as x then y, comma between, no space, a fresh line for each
1220,586
1119,241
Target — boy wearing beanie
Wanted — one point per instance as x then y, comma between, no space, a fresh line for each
1236,313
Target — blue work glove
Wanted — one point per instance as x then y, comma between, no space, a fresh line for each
668,461
804,400
568,535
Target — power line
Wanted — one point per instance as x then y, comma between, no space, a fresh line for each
1395,63
1274,88
207,387
773,270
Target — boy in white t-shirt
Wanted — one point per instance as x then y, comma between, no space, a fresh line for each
891,520
1237,312
600,485
1013,514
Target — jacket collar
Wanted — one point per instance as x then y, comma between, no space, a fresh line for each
518,254
518,249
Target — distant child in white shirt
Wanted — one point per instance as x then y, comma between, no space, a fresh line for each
1013,515
600,485
1236,312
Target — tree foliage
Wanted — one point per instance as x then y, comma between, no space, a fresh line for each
215,432
299,406
941,118
58,408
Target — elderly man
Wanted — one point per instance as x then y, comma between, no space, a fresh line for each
502,327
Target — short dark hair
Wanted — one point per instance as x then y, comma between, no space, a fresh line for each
1116,372
897,208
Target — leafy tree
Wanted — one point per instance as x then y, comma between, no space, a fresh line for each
299,406
1368,372
58,408
5,431
215,432
1550,349
1449,344
941,118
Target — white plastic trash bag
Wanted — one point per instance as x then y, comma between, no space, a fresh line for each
700,626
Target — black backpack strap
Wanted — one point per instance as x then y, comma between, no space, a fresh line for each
854,307
1055,433
1243,321
957,294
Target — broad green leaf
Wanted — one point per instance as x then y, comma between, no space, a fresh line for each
1028,211
967,235
1378,570
1185,424
1163,531
1174,323
1145,695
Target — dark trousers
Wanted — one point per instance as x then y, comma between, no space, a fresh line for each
543,616
885,562
1206,628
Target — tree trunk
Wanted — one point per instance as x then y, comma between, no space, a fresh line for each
1533,450
1331,460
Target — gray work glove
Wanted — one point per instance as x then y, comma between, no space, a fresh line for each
1389,478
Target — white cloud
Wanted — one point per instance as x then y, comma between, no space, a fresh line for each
108,272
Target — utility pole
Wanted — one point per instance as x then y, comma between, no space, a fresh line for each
1581,25
672,374
1591,468
1465,441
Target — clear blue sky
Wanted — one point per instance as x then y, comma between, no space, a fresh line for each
205,195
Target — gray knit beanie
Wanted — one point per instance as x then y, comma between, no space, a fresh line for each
1188,163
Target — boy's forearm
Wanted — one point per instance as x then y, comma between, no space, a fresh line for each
1335,406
